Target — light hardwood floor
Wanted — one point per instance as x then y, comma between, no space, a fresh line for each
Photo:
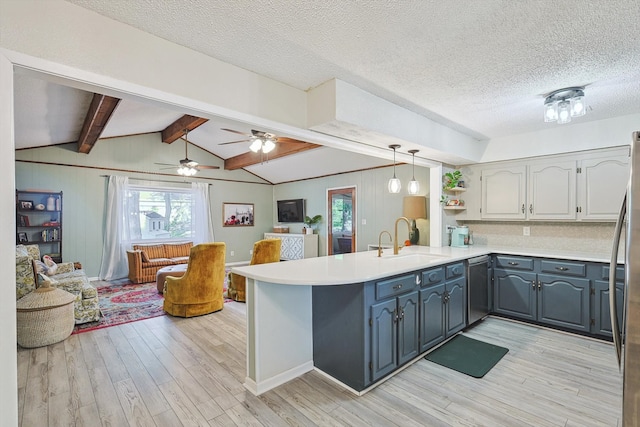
169,371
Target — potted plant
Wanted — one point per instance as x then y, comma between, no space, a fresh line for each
452,180
310,222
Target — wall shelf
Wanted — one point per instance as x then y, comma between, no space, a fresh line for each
454,208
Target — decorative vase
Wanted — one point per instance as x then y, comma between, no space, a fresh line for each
308,230
51,203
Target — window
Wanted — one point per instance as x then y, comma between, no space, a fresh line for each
157,213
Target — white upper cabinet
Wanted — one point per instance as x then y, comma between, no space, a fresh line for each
583,186
551,192
601,186
503,193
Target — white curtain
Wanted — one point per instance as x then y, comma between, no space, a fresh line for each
202,224
114,263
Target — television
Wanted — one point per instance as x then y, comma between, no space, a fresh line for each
291,210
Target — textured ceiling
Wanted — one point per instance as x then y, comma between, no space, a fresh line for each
481,67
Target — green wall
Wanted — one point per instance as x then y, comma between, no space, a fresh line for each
82,178
84,184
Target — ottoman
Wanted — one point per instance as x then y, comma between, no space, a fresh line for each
177,270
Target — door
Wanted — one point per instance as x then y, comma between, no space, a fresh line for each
515,293
564,301
383,339
504,193
602,314
431,316
552,190
341,230
456,305
408,346
602,183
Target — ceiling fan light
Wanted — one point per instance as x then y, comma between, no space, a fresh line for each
256,145
564,112
268,145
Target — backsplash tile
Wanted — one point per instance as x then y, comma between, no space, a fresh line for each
582,237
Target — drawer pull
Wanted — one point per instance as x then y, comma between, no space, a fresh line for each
513,263
396,287
562,268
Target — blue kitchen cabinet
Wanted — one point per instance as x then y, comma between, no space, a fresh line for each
551,292
443,309
515,293
601,324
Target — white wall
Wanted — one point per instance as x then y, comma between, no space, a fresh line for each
374,203
560,139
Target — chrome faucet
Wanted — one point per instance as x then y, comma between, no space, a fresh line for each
380,241
396,248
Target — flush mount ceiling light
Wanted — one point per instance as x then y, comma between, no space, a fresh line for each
563,104
414,186
394,185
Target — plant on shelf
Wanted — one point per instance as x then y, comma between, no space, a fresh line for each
451,181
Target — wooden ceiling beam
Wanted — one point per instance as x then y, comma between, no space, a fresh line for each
176,129
284,147
100,111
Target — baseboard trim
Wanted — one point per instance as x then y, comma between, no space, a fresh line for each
273,382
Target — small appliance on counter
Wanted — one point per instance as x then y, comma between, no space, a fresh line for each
459,236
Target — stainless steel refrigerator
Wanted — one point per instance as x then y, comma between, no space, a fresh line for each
626,337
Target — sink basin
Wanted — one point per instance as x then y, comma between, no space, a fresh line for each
414,257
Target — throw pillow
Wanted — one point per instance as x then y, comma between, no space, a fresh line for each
145,257
44,278
52,267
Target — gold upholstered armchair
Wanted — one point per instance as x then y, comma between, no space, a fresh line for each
264,252
199,291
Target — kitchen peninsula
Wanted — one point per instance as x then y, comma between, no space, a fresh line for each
280,330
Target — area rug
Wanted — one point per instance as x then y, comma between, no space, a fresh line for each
123,302
469,356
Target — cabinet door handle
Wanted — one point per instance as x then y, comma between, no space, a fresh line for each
539,284
513,263
530,208
523,208
395,316
562,268
401,314
533,285
396,287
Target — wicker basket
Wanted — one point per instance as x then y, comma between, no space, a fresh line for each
45,316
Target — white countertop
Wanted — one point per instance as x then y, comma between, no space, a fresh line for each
364,266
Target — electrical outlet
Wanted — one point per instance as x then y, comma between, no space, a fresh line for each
250,251
526,231
232,253
364,221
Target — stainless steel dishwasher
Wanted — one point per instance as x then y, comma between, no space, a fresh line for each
478,288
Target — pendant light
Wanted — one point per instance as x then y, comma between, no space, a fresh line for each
394,185
414,186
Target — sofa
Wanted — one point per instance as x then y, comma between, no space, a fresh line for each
146,260
65,277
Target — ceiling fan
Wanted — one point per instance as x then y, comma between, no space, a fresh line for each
260,141
186,166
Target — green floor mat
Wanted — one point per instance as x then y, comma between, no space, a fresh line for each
469,356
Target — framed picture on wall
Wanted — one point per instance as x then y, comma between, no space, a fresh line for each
237,214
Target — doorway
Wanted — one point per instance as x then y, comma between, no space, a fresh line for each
341,229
